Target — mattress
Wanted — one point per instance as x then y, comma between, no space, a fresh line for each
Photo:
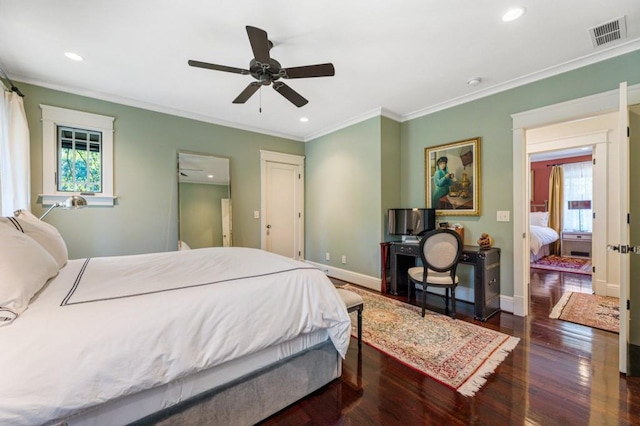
106,328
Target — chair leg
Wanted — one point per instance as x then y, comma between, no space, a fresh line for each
446,301
453,302
424,298
360,327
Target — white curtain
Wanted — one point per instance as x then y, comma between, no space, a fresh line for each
578,186
15,182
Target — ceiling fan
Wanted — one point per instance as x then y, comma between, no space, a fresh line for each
267,71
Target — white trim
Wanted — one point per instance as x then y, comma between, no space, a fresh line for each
54,116
92,200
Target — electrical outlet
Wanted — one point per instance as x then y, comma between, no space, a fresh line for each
327,256
503,216
344,259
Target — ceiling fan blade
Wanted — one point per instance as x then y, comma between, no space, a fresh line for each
259,44
247,92
224,68
293,96
320,70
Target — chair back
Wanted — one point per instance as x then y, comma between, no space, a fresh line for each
440,250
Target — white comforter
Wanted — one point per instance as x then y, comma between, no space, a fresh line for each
109,327
540,236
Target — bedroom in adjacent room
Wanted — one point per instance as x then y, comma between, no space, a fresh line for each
561,228
561,215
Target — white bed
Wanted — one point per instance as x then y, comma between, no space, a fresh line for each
112,340
540,235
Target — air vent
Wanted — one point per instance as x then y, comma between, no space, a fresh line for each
609,32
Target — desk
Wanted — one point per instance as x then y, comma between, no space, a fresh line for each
485,262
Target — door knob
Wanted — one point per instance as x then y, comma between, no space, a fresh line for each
268,226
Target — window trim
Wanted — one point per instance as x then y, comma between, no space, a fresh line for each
55,116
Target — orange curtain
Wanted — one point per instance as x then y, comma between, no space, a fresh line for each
555,205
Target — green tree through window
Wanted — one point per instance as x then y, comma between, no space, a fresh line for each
79,160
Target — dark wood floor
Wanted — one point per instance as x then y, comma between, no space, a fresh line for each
559,374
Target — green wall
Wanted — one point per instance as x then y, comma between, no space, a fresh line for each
352,175
390,170
343,201
145,218
490,119
338,209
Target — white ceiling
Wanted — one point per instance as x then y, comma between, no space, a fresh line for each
400,59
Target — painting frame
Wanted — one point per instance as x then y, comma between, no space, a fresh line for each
455,190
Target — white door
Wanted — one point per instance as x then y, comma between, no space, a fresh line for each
624,227
227,236
282,204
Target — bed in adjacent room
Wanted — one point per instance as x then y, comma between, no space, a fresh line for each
239,332
540,235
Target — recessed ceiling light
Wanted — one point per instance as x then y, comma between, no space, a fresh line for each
303,119
513,14
73,56
474,81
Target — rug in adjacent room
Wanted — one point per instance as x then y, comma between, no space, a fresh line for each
590,310
455,353
576,265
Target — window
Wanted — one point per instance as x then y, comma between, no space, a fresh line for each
77,156
79,160
577,188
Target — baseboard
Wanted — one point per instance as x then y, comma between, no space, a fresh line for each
366,281
462,293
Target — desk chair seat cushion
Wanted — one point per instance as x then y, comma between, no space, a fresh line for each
433,278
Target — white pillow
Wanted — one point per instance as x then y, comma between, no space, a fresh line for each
539,219
44,233
25,268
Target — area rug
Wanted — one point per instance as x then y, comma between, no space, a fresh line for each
589,309
564,264
458,354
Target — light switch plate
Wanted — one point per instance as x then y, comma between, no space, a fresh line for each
256,214
503,216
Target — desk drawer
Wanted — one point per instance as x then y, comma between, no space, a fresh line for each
408,249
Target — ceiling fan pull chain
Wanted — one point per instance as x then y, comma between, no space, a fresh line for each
260,99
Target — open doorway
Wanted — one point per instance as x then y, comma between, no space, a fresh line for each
561,213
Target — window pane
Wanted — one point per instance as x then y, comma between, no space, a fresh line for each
578,184
79,160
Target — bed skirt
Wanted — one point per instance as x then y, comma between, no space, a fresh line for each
258,395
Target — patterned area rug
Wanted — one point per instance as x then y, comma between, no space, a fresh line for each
564,264
590,310
457,354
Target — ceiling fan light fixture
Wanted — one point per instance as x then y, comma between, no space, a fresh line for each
74,56
513,14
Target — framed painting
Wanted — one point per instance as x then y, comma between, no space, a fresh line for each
452,178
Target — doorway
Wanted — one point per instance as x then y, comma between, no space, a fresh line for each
282,204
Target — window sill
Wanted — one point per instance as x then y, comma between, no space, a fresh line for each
92,200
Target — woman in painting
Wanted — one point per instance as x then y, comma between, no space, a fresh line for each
442,180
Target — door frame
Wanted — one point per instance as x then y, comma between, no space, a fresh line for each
294,160
566,111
